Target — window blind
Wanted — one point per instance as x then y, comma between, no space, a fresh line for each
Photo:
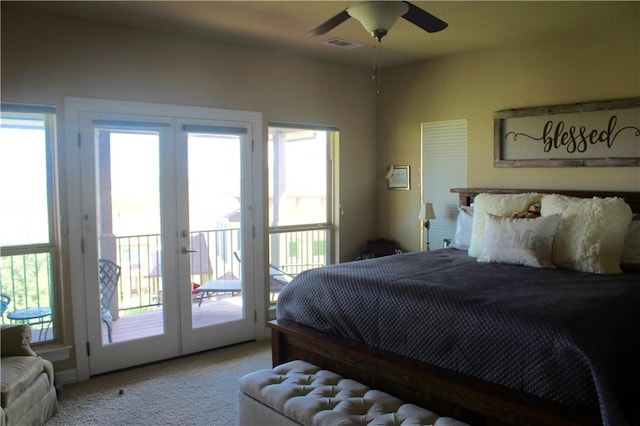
27,108
444,166
303,126
225,130
131,124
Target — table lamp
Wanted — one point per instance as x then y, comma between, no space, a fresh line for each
426,213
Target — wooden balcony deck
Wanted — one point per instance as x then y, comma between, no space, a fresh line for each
214,310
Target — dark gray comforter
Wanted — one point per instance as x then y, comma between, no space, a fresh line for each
567,336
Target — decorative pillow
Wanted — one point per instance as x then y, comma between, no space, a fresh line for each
591,232
15,340
499,205
518,241
631,248
462,236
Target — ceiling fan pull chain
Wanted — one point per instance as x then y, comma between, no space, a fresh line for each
374,73
376,64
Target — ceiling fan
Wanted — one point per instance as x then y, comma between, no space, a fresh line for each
378,17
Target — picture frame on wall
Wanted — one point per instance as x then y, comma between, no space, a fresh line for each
399,178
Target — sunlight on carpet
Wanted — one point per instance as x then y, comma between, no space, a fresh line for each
199,389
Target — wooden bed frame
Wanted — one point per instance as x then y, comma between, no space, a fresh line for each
445,392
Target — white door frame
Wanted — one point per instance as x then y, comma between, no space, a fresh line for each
254,210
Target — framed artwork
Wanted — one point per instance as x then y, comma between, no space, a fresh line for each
398,177
604,134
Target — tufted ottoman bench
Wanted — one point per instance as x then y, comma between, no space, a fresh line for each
299,393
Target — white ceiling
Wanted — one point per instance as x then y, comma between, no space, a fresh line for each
473,25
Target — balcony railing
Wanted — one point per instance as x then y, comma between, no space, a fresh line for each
26,278
298,248
140,257
214,257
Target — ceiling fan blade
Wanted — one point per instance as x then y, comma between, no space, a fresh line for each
424,19
330,24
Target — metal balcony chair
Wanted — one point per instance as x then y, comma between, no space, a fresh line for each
108,276
5,300
278,278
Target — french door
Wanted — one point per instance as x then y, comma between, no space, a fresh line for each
168,204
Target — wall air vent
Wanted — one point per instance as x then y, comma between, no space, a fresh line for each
342,43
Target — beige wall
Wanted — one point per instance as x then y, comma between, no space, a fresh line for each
48,57
45,58
577,68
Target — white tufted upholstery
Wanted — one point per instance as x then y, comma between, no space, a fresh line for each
310,396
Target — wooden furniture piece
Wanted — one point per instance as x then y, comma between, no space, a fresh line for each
447,393
467,194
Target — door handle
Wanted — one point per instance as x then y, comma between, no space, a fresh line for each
185,250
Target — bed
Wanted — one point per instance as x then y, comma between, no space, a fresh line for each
531,345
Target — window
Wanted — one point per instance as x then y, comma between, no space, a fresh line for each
300,196
29,252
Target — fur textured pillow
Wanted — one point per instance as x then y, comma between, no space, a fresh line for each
519,241
497,204
591,232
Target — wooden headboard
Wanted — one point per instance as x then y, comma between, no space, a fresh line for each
467,194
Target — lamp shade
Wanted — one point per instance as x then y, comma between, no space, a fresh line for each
378,17
426,212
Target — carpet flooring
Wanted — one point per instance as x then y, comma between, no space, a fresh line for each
200,389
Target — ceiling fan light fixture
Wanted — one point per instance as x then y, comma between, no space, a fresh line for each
378,17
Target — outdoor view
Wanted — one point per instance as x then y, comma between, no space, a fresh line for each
130,228
130,207
128,210
26,243
299,198
128,201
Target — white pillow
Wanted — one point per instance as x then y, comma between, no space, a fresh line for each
527,242
591,232
499,205
462,237
631,248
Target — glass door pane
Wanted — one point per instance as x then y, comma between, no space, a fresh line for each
160,199
129,242
214,205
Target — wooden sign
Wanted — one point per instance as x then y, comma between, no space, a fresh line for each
605,134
